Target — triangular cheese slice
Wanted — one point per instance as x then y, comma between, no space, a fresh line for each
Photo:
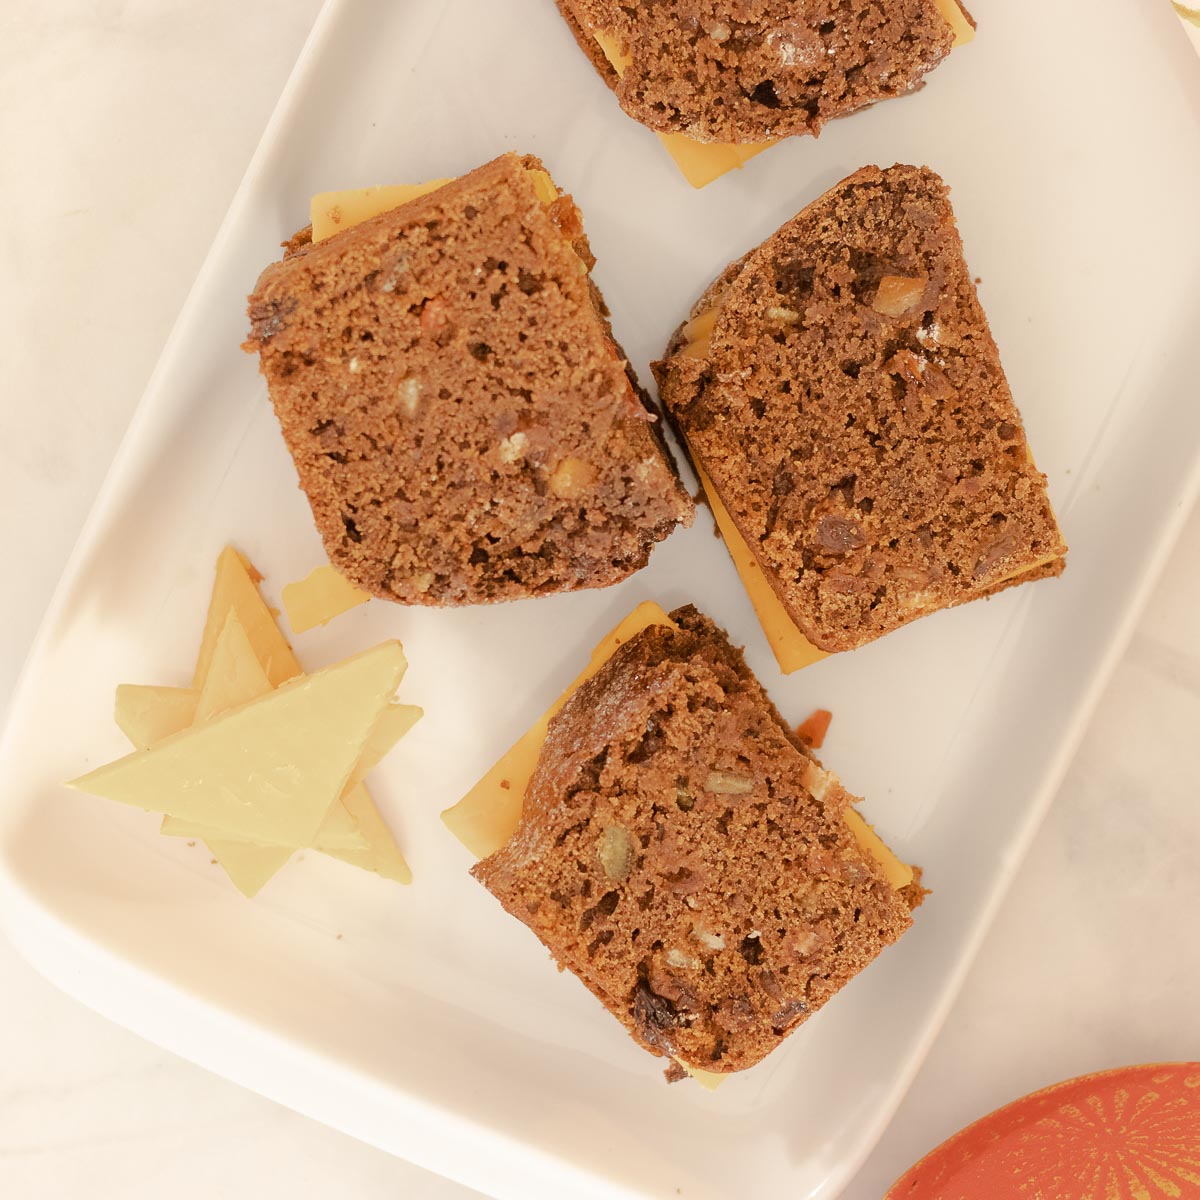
382,855
235,589
394,723
235,677
250,868
146,714
338,832
270,768
322,595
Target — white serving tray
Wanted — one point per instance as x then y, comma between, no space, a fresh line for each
424,1020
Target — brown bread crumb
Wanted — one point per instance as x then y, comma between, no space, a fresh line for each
874,461
462,421
760,69
683,853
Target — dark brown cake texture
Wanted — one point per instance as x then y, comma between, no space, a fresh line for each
757,70
461,419
684,854
842,390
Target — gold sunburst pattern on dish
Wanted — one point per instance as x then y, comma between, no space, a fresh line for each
1129,1134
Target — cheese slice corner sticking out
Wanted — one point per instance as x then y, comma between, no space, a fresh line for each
381,854
250,868
700,162
146,714
792,650
964,31
708,1080
898,874
487,816
394,722
235,676
331,212
703,162
322,595
270,769
235,588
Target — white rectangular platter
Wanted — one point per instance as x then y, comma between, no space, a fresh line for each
424,1019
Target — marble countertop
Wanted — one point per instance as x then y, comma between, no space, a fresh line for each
125,126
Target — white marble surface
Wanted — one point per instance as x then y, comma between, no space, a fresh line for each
124,128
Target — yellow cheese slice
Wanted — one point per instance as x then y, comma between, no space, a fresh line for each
318,598
236,677
700,162
235,589
233,670
486,817
147,714
270,769
340,832
1037,564
964,31
708,1080
250,868
332,212
619,58
792,650
353,831
394,722
898,874
381,855
703,162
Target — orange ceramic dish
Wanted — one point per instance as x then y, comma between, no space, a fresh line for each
1128,1134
